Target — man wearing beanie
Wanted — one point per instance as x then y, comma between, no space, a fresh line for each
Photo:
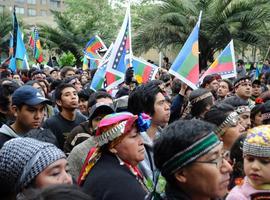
26,163
28,106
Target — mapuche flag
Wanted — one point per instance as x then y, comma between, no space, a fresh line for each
186,65
224,65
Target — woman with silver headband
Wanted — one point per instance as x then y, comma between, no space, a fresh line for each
227,122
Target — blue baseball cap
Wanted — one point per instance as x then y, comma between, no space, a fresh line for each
28,95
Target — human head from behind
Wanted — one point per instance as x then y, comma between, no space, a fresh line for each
243,87
189,154
155,103
56,192
99,97
29,163
227,122
256,151
201,101
28,106
66,97
74,81
224,88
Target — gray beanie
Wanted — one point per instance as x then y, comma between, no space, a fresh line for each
22,159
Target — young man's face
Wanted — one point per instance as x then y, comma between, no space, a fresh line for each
256,90
213,86
161,114
29,117
69,99
69,73
223,89
244,90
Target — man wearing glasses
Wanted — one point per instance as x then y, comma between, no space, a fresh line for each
191,159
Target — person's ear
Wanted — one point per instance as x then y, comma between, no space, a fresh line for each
181,176
14,110
59,102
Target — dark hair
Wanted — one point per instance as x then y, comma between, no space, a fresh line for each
254,111
177,137
266,109
64,71
235,101
151,89
84,94
165,77
197,108
236,155
44,135
218,113
230,85
60,88
176,87
5,74
135,100
56,192
55,84
97,95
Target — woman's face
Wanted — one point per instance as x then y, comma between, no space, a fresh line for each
55,173
131,148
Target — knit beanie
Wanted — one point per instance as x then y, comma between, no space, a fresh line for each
22,159
257,142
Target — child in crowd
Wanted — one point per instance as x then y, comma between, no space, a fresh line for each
256,153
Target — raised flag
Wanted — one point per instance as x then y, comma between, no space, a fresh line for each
34,43
186,65
224,65
121,56
85,63
19,50
143,71
92,48
99,78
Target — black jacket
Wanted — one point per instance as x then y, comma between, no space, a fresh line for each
108,180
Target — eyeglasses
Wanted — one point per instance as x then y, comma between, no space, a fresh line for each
219,161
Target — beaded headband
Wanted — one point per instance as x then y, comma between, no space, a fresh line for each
199,98
190,154
111,134
242,81
257,142
231,120
256,150
242,109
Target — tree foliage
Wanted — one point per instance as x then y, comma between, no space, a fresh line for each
168,24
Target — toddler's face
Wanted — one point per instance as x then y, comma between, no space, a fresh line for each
257,169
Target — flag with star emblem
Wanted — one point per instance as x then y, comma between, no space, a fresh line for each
121,57
224,65
186,65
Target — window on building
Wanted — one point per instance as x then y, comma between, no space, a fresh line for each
20,1
43,2
32,12
1,9
31,1
43,13
54,4
20,11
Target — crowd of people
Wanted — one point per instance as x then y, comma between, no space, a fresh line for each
59,139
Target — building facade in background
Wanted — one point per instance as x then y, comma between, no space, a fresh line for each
33,11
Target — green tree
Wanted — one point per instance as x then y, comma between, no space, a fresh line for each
170,22
5,28
81,20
